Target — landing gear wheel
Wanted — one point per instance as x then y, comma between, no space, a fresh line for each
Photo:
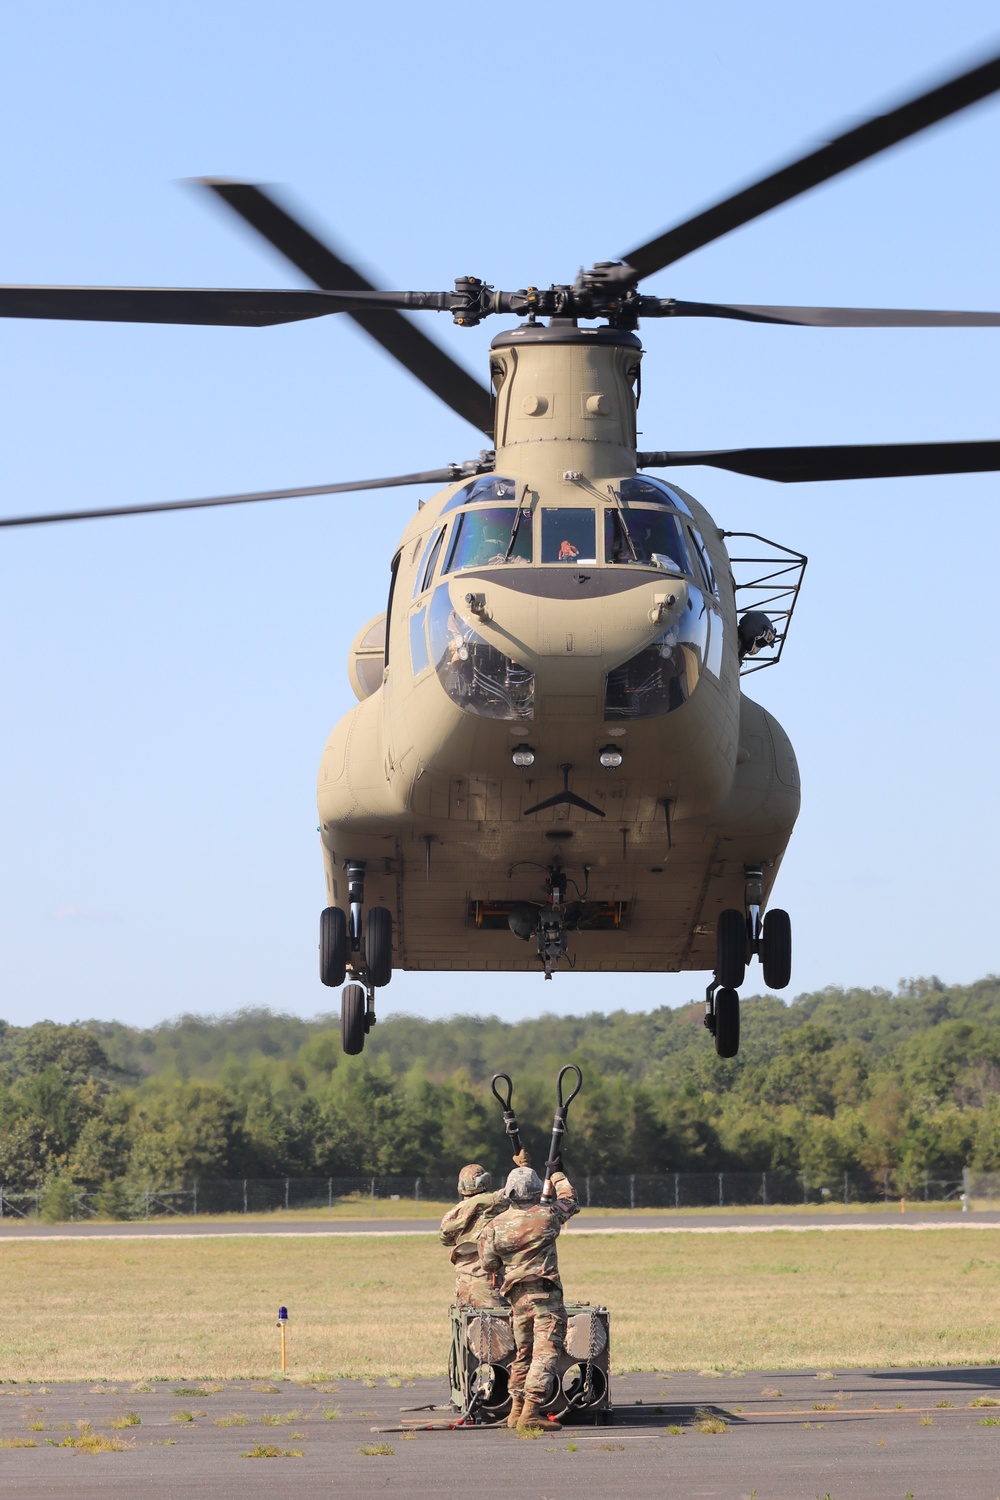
332,946
727,1022
731,948
378,946
352,1019
776,949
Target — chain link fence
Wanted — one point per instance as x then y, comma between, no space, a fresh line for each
664,1190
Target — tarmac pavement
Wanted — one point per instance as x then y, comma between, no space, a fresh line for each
634,1223
930,1434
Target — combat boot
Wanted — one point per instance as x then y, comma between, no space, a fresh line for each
533,1416
516,1402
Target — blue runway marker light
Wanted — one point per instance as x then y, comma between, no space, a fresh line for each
282,1324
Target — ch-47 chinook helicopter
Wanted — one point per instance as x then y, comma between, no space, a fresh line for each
552,759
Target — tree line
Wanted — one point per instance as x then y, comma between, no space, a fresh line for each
864,1081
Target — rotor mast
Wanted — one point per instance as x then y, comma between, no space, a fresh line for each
566,401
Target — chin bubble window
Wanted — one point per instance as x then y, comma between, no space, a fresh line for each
663,676
489,537
472,671
569,535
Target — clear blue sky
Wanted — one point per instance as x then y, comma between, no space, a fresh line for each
168,682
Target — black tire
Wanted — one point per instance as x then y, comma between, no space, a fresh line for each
352,1019
776,949
332,946
378,946
731,948
727,1022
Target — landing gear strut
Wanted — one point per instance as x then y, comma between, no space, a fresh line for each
356,946
739,936
551,921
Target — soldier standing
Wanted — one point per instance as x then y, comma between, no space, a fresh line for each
522,1243
461,1227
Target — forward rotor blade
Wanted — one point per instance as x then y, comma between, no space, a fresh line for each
808,465
430,476
130,304
397,335
836,317
846,151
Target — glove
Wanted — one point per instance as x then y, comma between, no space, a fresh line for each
522,1159
556,1165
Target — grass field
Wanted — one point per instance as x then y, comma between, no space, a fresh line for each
202,1308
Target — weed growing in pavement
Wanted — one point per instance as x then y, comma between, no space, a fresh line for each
709,1424
984,1401
612,1447
771,1390
266,1389
330,1414
408,1437
209,1389
186,1416
377,1450
16,1442
89,1441
268,1450
36,1426
945,1403
988,1422
280,1419
571,1447
104,1390
127,1419
235,1419
675,1431
926,1421
141,1388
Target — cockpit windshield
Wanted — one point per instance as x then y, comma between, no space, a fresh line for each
642,490
488,537
486,487
637,534
569,535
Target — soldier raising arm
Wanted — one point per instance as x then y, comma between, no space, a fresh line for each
521,1243
460,1230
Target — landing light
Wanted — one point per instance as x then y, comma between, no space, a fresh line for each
523,755
610,757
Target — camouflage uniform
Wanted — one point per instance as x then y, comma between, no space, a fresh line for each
460,1228
522,1243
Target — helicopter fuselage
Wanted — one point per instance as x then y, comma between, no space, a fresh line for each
561,632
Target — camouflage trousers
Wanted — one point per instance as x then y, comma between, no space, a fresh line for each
474,1289
539,1324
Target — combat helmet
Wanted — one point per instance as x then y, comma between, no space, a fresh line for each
474,1179
523,1185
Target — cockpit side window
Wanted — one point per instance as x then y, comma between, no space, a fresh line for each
482,538
569,535
388,607
644,535
704,562
428,562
